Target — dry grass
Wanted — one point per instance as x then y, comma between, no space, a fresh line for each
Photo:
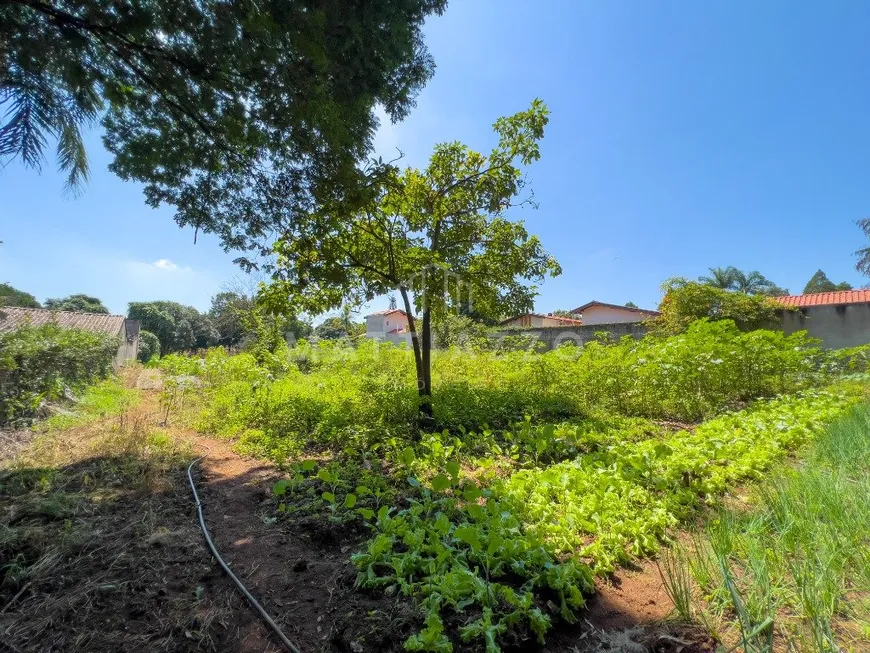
98,548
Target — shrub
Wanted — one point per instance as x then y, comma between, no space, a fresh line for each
38,362
333,394
149,346
687,301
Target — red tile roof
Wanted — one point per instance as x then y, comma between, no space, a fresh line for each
826,298
12,317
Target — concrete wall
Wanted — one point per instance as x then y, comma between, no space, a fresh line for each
846,325
129,349
552,337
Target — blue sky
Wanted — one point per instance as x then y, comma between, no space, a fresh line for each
682,136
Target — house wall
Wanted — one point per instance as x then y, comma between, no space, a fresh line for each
379,326
533,321
553,337
846,325
608,315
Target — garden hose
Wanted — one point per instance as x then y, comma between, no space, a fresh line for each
259,608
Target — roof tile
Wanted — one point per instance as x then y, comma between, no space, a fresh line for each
826,298
13,317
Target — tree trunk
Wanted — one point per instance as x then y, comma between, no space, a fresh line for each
424,419
427,416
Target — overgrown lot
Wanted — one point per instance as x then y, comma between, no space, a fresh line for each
549,469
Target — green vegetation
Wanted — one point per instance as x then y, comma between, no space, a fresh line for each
79,303
330,393
177,327
105,398
206,102
10,296
794,568
149,346
439,236
548,468
686,301
748,283
819,282
38,363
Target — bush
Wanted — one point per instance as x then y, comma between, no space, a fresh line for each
38,362
149,346
687,301
331,394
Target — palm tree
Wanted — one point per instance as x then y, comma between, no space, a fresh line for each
863,254
753,283
721,277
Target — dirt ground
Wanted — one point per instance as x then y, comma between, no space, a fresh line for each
143,580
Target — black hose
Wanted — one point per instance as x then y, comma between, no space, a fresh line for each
259,608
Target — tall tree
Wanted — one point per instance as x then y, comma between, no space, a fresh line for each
720,278
751,283
10,296
819,282
227,314
219,108
177,327
863,254
435,235
730,278
79,303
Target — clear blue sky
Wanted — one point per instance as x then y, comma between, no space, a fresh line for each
683,136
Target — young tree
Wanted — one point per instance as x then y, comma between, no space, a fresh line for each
819,282
434,235
10,296
219,108
78,303
630,304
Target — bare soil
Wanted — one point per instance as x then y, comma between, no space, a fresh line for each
135,574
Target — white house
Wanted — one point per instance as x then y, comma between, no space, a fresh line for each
600,313
389,326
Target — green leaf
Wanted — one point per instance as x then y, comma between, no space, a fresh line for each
308,465
328,496
280,488
469,535
383,512
475,511
366,513
440,483
408,456
452,467
472,494
350,501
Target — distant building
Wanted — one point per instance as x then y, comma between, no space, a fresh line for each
389,326
13,317
839,319
600,313
536,320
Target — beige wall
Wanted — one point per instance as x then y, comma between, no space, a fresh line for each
607,315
